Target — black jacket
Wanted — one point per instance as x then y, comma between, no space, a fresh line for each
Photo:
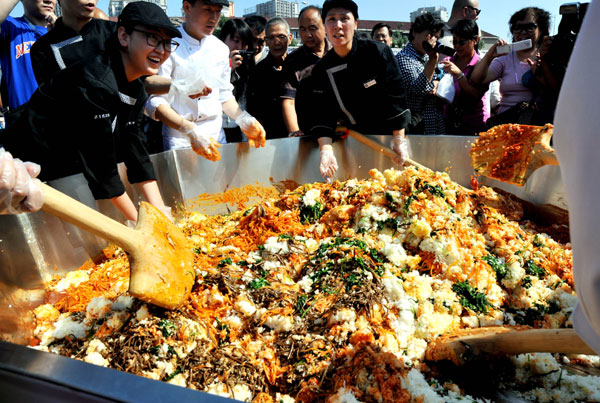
62,47
361,90
85,119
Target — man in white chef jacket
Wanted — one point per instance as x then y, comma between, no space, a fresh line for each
577,143
197,122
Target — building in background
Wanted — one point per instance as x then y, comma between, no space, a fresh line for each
274,8
439,12
115,6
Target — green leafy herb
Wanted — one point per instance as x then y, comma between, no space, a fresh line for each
173,374
166,327
471,298
311,214
197,250
258,283
526,282
302,306
225,262
537,241
284,236
534,270
495,262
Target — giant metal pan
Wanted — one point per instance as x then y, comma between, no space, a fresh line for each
37,246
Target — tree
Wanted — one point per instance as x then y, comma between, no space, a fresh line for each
222,21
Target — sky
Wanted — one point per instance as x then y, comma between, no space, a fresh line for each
493,18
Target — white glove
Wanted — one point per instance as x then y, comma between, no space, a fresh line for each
252,129
400,146
203,144
19,191
327,164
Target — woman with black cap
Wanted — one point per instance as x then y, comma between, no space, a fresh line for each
87,117
358,85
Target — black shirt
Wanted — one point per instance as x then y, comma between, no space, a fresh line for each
297,67
361,90
264,97
62,46
86,119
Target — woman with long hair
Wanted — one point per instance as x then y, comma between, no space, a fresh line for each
468,112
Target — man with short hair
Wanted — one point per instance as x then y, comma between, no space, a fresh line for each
264,86
198,122
461,10
86,117
257,24
76,36
382,32
298,66
16,37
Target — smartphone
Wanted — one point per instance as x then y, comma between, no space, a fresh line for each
521,45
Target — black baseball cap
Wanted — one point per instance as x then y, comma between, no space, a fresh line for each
219,2
148,14
347,4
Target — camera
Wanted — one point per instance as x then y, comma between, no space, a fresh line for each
438,48
564,41
246,54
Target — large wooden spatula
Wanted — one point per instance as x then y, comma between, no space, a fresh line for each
467,343
160,256
511,152
388,152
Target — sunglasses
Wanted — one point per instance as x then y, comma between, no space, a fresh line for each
155,41
460,42
529,28
477,10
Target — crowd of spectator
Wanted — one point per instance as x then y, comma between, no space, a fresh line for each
244,84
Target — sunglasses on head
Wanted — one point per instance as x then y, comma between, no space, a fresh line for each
477,10
529,28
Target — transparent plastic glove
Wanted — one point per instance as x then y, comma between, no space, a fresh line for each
327,164
252,129
400,146
203,144
166,210
19,191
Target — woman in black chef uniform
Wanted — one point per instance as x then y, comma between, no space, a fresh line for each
357,84
86,118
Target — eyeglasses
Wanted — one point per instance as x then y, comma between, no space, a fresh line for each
460,42
529,28
280,38
155,41
477,10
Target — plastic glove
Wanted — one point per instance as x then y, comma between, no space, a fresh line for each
400,146
327,164
166,210
252,129
203,144
19,191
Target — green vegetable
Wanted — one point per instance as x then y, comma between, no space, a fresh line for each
537,241
166,327
471,298
258,283
534,270
178,371
500,268
302,306
311,214
284,236
526,282
225,262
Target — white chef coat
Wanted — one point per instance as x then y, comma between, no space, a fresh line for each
205,112
577,143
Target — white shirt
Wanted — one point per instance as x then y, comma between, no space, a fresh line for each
210,57
577,142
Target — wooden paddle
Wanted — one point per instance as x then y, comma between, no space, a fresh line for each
160,256
467,343
388,152
511,152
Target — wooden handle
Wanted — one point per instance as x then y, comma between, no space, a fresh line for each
388,152
529,341
68,209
